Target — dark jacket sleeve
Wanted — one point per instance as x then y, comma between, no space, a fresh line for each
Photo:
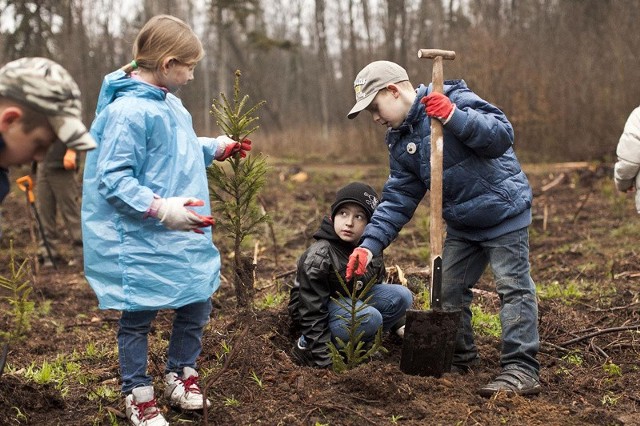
314,294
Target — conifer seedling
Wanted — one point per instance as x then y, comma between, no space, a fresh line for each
234,189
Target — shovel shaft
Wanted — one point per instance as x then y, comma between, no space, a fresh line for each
437,148
435,201
43,236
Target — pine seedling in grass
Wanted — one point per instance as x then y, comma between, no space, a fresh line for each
350,354
234,192
18,287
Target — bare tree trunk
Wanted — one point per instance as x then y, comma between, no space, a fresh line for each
353,48
323,59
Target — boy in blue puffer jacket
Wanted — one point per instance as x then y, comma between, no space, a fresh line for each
486,206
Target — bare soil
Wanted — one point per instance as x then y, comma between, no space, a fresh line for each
583,242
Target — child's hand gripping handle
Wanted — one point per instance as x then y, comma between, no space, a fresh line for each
26,184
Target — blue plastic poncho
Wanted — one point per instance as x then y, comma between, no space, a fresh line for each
146,146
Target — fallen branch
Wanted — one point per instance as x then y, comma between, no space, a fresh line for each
616,308
285,274
581,206
554,346
599,332
553,183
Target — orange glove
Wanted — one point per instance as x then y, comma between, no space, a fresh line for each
358,262
69,160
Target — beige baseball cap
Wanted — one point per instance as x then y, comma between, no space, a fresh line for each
374,77
48,88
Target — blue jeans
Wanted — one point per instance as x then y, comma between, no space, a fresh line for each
387,307
463,264
185,342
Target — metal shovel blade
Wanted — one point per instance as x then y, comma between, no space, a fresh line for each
429,341
430,336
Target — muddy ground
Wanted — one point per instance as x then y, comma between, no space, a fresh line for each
584,258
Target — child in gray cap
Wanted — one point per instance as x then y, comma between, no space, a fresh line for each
39,103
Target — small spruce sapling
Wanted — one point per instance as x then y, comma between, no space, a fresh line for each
350,354
18,286
234,193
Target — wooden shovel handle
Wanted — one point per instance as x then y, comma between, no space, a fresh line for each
436,231
437,148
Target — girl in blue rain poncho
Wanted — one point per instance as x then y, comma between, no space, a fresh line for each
146,213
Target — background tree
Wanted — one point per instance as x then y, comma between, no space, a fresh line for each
564,71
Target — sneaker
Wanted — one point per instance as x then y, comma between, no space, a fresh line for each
141,408
512,381
184,391
400,332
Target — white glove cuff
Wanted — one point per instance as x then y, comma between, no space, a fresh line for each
450,115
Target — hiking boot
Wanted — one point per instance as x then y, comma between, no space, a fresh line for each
512,381
141,408
184,391
464,368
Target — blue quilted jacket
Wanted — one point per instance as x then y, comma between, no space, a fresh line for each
485,192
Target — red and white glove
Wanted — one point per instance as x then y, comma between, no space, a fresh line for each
228,147
358,262
174,215
438,106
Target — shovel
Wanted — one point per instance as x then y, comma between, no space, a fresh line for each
26,184
430,336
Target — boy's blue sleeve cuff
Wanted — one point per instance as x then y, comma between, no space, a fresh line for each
457,121
375,247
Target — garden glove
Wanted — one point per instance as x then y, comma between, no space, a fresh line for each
69,160
438,106
228,147
358,262
173,214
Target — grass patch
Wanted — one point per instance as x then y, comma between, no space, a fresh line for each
567,292
485,323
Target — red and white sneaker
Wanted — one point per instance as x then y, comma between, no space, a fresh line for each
141,408
184,391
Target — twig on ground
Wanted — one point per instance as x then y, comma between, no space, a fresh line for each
285,274
554,346
212,379
616,308
599,332
581,206
597,349
553,183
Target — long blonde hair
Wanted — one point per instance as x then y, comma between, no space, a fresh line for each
161,37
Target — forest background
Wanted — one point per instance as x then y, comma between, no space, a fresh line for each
565,72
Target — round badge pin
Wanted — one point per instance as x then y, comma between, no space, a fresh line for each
411,148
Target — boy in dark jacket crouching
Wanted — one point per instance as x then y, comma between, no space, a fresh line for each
319,318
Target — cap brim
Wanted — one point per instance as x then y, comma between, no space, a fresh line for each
360,105
72,132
